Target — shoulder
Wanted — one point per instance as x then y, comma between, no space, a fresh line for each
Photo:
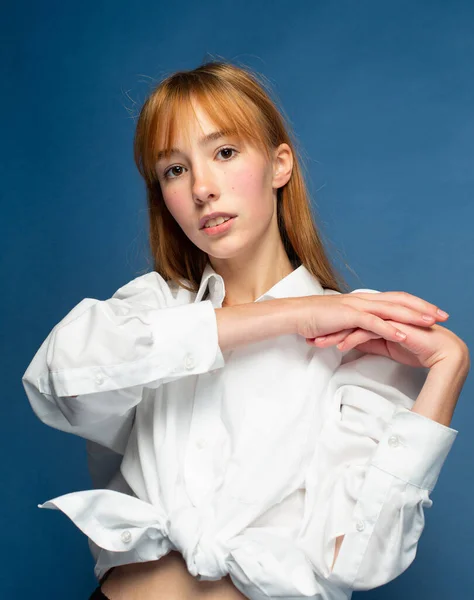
152,289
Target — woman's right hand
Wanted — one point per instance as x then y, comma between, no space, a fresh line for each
341,314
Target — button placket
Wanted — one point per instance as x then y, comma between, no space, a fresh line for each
199,463
360,525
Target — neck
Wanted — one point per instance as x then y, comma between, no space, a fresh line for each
246,280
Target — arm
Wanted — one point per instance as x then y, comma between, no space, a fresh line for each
437,400
375,464
256,321
92,369
438,397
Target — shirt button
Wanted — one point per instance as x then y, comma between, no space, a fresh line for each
360,525
126,536
201,443
393,441
189,362
99,378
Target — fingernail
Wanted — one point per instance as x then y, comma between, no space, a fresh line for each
320,339
401,335
441,313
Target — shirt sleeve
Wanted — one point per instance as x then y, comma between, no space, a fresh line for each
375,465
92,369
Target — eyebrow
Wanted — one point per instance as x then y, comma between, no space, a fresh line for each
210,137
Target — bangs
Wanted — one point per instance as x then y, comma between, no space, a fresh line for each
232,113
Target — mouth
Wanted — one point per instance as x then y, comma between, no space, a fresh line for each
221,228
224,215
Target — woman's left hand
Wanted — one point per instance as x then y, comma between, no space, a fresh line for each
423,346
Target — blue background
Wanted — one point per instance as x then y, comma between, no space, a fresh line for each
380,95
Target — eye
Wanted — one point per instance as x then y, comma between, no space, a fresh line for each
225,149
165,174
228,148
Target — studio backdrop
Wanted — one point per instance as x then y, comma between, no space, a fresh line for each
380,96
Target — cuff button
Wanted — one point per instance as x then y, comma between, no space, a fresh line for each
126,536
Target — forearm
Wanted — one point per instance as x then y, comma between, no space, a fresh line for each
255,321
439,395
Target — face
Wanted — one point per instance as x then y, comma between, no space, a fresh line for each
221,175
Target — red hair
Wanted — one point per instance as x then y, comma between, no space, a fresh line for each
234,99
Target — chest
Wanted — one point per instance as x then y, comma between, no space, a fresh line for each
266,391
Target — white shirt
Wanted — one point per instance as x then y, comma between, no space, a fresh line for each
249,462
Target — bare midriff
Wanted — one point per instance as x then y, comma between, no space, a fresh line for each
165,579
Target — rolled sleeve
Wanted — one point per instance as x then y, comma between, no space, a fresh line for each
375,465
414,448
162,345
93,368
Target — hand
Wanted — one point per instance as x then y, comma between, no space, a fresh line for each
363,315
423,347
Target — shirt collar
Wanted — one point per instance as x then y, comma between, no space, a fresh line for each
299,282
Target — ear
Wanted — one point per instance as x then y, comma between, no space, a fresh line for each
282,165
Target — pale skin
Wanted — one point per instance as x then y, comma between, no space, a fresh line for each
251,259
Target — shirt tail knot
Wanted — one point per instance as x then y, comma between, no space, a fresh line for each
205,556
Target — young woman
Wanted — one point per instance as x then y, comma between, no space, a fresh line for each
254,429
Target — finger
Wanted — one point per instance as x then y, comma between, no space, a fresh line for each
359,336
331,338
396,312
407,300
372,323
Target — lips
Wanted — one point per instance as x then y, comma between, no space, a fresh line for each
221,228
226,219
207,218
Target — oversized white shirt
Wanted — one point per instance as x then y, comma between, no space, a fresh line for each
249,462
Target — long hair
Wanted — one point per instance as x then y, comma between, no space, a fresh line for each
235,99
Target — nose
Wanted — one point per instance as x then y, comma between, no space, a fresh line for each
204,184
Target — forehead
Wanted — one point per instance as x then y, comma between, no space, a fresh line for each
204,140
197,120
189,123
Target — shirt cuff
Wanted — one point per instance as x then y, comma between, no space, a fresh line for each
414,448
183,341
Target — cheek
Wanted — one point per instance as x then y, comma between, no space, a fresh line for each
251,188
176,204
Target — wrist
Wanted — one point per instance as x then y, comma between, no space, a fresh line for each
456,361
286,311
440,393
294,309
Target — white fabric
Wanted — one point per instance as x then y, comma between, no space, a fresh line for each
250,462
